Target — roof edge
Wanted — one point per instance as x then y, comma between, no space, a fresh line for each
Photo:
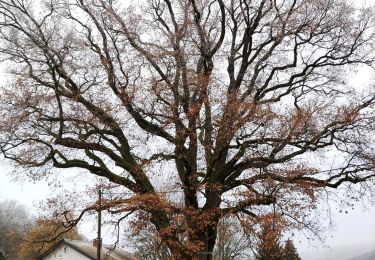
64,242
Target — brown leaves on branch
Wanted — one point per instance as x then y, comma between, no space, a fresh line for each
42,236
235,105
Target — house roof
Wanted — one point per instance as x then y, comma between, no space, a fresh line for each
88,250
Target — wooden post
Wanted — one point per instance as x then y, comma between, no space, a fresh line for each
99,226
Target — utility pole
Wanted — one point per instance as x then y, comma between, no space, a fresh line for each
99,225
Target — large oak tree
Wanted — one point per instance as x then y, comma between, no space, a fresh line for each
198,109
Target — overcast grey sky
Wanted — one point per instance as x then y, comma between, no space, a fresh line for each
354,232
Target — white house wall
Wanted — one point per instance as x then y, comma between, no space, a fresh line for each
64,252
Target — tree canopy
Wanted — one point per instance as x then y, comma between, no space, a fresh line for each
290,251
2,254
193,110
44,234
269,243
14,223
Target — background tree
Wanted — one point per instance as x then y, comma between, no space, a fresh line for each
2,254
232,242
42,236
269,245
290,251
196,110
14,223
149,245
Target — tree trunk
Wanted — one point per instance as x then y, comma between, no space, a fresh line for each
207,235
208,238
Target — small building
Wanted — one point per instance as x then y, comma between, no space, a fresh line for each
67,249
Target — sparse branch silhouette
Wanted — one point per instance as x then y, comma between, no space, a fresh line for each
229,102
